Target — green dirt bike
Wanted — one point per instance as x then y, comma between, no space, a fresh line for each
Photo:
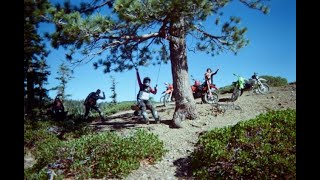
255,84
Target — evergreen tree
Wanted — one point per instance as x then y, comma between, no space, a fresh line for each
113,90
35,66
135,31
64,76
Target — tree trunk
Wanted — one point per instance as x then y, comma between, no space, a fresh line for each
30,90
185,104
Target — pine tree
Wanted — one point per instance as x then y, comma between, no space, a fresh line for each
113,90
64,76
35,66
134,32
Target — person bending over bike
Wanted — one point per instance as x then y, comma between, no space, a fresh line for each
143,97
169,88
91,103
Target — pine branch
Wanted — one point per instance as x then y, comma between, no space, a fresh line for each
215,38
109,3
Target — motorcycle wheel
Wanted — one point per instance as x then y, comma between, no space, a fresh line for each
162,99
264,88
213,99
235,94
166,99
137,113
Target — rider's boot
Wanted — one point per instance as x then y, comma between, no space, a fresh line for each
156,116
145,117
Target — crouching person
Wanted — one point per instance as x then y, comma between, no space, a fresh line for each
143,99
57,109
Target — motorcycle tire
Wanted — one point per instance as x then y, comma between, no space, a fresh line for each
235,94
213,99
166,99
137,113
264,88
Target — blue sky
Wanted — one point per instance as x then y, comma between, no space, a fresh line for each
271,51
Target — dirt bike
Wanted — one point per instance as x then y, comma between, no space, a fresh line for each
255,84
168,95
204,91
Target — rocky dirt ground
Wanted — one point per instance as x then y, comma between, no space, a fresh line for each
180,142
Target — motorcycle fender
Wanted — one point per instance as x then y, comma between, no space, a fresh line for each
193,88
213,87
261,79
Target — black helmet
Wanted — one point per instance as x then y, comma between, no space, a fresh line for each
146,81
254,76
98,91
209,69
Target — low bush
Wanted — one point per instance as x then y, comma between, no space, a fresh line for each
261,148
275,81
96,156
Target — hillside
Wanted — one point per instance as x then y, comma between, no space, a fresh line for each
180,142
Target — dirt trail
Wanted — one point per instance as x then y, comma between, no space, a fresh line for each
180,142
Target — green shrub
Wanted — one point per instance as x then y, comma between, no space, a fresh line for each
97,156
226,89
275,81
109,109
261,148
36,132
77,108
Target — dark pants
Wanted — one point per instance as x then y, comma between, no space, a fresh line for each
88,108
146,104
59,114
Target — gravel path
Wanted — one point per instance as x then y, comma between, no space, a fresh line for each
180,142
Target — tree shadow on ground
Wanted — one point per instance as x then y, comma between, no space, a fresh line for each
128,120
184,170
225,100
125,116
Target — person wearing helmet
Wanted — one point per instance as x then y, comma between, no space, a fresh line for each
143,97
91,101
254,76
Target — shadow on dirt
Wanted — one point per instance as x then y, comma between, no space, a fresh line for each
128,121
225,100
183,168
